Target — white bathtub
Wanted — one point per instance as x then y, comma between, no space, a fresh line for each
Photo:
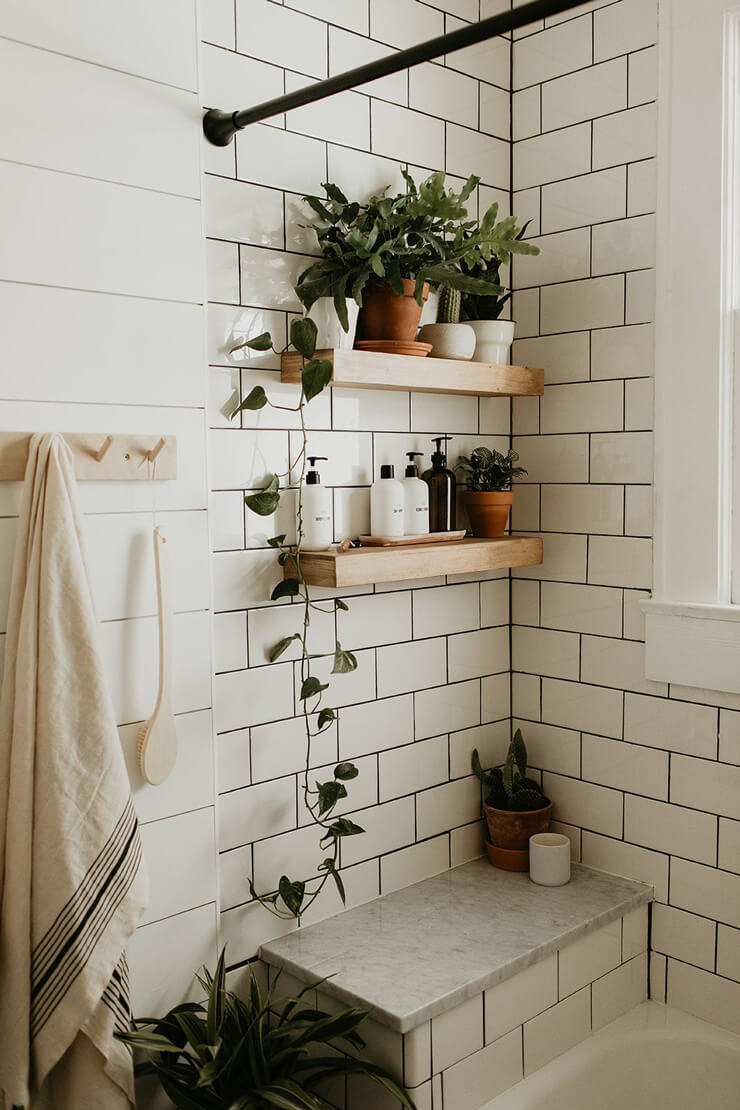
653,1058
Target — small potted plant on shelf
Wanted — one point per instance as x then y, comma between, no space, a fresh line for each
482,310
257,1052
514,806
489,495
385,255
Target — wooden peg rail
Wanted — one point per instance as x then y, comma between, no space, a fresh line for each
100,457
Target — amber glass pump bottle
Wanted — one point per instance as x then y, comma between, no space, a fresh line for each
442,489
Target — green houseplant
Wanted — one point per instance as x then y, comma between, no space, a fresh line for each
514,806
489,495
387,252
255,1053
482,310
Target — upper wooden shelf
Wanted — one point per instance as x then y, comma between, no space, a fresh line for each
362,566
373,370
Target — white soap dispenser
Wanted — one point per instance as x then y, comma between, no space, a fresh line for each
387,505
317,517
416,499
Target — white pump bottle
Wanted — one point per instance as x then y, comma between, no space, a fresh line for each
416,499
317,516
387,505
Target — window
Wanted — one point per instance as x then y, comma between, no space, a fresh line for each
693,619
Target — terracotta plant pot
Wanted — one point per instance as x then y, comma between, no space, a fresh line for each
511,829
507,859
386,315
488,512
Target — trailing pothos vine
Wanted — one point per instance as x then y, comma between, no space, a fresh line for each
294,896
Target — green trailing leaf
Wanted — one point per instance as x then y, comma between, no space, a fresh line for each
255,399
303,334
292,893
276,541
329,794
330,866
326,716
344,661
311,686
342,827
289,587
345,771
339,604
315,376
261,342
267,500
282,646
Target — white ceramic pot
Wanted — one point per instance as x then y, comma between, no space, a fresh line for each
449,340
429,311
493,340
330,331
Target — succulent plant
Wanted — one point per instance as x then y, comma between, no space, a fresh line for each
508,787
450,303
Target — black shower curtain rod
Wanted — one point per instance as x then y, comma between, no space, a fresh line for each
220,127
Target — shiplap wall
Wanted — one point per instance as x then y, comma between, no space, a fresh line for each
102,329
433,675
647,777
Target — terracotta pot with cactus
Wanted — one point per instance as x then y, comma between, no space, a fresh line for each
514,806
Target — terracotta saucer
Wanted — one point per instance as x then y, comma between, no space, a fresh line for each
394,346
508,859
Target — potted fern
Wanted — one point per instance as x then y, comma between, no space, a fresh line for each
254,1053
514,806
489,495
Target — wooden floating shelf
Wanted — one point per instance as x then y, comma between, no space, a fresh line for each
362,566
374,370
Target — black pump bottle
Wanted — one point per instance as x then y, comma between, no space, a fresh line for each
442,490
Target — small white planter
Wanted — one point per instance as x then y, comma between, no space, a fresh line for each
330,331
449,340
493,340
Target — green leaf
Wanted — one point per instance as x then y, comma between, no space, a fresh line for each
342,827
326,716
282,646
259,343
519,750
303,336
330,866
334,192
267,500
344,661
276,541
345,771
329,794
289,587
339,604
292,894
256,399
316,376
311,686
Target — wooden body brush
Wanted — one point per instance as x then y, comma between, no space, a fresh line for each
157,744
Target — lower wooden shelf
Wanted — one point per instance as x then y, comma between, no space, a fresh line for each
362,566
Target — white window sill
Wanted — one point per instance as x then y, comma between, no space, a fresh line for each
690,644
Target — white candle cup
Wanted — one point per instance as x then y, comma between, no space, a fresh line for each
549,859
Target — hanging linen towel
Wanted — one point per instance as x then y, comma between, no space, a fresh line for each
72,885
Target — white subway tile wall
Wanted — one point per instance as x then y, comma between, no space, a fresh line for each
105,250
650,790
433,679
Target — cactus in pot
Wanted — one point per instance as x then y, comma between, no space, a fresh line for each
514,805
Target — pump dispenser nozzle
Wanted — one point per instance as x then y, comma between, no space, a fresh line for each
313,478
439,457
411,468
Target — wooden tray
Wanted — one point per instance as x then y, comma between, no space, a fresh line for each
409,541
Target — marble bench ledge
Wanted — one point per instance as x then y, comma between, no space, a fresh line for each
414,954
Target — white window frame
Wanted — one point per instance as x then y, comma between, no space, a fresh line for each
692,627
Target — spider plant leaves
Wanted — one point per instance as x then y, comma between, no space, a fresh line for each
316,375
303,334
344,661
267,500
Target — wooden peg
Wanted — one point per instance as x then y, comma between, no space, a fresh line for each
100,455
152,456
